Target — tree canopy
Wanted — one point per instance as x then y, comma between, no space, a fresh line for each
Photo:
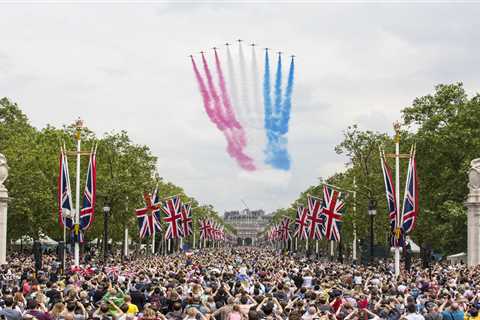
125,170
445,126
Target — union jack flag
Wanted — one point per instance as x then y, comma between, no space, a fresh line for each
301,223
205,229
89,194
149,217
410,202
332,212
285,229
396,230
172,208
187,220
65,213
315,229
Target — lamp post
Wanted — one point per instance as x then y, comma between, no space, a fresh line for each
106,215
372,212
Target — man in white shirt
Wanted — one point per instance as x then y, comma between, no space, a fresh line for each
412,313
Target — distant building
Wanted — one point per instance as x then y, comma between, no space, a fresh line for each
248,224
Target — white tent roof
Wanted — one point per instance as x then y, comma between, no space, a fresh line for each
45,240
457,255
413,246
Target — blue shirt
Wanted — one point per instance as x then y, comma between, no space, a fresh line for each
453,315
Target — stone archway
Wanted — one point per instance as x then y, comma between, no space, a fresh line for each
248,241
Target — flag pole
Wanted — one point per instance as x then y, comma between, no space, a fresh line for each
354,244
331,250
153,235
306,245
396,126
193,228
78,125
316,247
63,219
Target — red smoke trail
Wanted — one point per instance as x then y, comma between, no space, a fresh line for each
216,99
231,118
216,116
207,101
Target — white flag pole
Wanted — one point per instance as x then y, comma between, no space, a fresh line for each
79,125
397,191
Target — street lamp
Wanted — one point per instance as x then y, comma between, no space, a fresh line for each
372,212
106,211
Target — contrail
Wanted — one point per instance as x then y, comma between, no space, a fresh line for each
276,117
234,149
256,91
287,101
233,83
267,98
207,101
231,119
278,93
245,99
213,93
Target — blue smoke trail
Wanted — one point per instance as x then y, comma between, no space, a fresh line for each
267,99
278,93
287,102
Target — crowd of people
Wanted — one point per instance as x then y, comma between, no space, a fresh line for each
235,284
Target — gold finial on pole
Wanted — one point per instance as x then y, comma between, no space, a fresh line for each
78,126
396,127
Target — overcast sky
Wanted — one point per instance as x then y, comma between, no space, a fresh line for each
125,67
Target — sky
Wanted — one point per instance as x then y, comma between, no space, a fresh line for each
125,66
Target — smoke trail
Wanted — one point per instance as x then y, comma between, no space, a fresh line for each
205,95
216,115
244,99
256,90
230,115
232,81
267,98
276,120
216,99
231,120
278,93
287,101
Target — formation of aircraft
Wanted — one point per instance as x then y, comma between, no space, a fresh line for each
253,44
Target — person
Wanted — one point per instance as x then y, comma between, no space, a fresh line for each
193,314
236,313
9,312
176,313
432,311
132,308
412,313
453,312
37,310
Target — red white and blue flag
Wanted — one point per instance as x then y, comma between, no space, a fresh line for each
315,220
89,194
205,229
301,223
173,209
149,217
64,193
395,227
332,213
285,229
410,202
187,220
